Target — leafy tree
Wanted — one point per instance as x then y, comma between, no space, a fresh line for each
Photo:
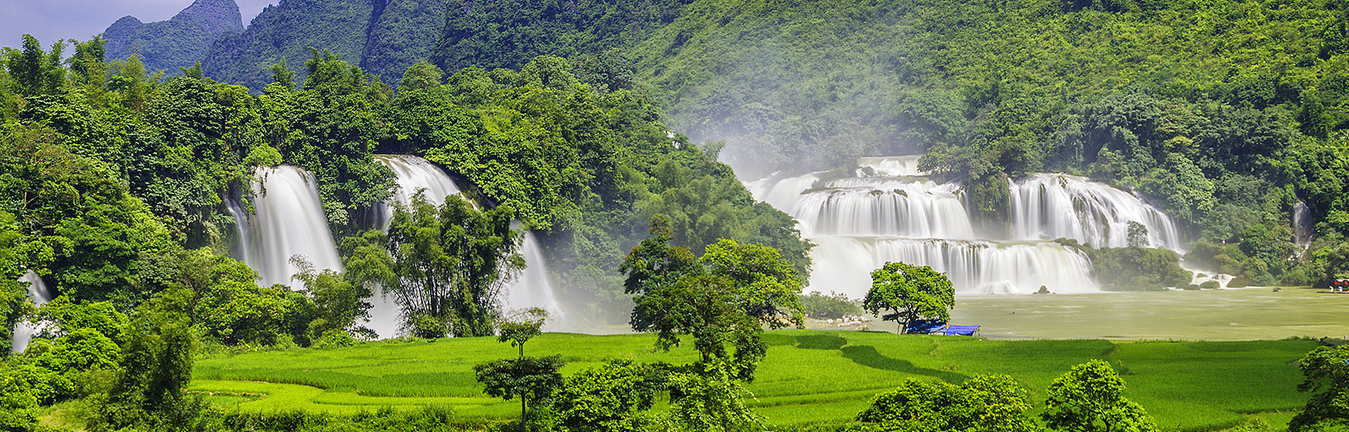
1138,235
532,379
1090,398
909,293
522,327
725,297
710,398
1326,370
451,263
156,365
36,72
981,403
608,397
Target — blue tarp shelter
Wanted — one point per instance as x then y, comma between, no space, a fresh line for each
925,327
962,330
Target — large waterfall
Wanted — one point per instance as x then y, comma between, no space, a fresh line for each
532,288
1050,206
288,221
38,293
890,212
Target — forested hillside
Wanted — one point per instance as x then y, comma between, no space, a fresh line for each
178,42
383,37
1224,114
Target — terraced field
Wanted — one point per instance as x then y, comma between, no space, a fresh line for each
808,376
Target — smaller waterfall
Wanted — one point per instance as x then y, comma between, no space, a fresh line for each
289,221
532,287
782,194
414,175
1302,225
38,293
1051,206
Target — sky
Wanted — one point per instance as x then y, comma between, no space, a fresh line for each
49,20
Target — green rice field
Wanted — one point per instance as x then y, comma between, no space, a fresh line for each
809,376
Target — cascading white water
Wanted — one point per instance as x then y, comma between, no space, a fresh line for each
890,212
1302,224
38,293
893,166
782,194
414,174
1050,206
289,221
867,207
532,288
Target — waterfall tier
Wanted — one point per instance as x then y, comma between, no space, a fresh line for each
1050,206
974,267
288,221
891,166
891,208
38,293
890,212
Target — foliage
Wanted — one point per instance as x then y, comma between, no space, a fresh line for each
710,399
981,403
608,397
451,263
1326,370
909,293
727,296
1090,398
1134,268
533,379
155,367
521,327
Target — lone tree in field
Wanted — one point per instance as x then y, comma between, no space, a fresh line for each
530,378
723,298
1090,399
909,293
1325,369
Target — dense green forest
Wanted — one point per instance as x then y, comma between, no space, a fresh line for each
114,186
1223,114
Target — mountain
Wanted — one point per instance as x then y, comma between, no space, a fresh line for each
178,42
384,37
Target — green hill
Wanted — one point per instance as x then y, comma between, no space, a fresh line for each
178,42
384,38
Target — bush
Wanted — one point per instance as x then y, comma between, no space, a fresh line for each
1210,284
1239,282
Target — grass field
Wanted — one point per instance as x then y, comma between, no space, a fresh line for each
808,376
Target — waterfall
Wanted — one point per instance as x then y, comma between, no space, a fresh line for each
38,293
921,209
532,288
414,174
1302,225
890,212
1050,206
289,221
782,194
893,166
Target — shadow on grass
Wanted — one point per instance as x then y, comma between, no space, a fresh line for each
869,357
820,342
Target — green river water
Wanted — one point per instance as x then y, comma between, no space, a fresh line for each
1226,314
